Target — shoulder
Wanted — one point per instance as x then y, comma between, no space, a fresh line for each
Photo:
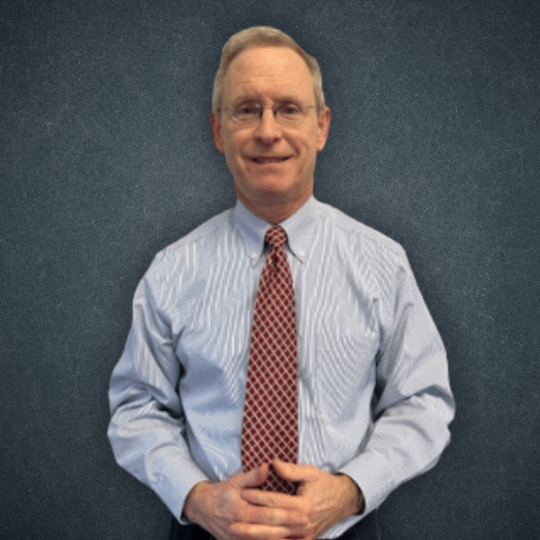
371,260
192,252
203,233
347,231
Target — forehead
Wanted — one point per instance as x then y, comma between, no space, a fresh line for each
268,72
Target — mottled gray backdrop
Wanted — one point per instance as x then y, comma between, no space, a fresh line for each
106,156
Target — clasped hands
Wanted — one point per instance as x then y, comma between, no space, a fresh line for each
235,509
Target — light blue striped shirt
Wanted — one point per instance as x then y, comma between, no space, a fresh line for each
374,395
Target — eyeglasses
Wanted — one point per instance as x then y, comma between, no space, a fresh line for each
249,113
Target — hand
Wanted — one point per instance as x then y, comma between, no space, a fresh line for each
322,499
221,509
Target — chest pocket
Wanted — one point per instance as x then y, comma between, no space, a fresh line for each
345,375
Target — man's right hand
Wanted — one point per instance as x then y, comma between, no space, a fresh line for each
220,509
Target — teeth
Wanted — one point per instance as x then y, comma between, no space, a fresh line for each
269,160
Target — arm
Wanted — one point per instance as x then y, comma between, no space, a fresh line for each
414,404
147,425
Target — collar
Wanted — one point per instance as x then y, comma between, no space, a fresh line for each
300,229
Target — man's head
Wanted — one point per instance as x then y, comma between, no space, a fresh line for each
269,119
258,36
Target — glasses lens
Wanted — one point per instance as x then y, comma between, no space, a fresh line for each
286,114
247,113
289,114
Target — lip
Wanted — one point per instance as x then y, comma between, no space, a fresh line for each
266,160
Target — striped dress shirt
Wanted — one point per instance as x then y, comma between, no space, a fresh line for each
374,395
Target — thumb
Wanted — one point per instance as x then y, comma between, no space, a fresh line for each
289,471
253,478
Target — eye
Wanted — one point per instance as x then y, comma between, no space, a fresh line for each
290,109
247,109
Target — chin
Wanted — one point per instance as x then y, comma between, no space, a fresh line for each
276,192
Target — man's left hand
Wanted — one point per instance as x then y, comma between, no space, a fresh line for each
324,498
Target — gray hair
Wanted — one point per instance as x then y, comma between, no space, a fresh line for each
257,36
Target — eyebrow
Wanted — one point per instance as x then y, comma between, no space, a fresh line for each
281,100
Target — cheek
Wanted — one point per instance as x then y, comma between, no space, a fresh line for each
235,147
309,150
232,152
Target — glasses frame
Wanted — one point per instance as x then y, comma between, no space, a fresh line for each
304,109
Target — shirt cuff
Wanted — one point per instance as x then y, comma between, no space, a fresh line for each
361,501
374,478
175,483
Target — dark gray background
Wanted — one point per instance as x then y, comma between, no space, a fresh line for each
107,157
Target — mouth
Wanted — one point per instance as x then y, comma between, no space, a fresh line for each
269,159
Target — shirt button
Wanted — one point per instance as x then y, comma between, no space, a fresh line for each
253,255
301,253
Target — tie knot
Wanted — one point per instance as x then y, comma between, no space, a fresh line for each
276,237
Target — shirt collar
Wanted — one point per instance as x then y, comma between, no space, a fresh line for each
300,229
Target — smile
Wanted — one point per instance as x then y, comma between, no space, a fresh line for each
270,159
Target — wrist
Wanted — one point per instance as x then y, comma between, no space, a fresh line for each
192,501
355,496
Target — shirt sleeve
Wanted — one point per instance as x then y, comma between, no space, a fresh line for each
413,404
147,428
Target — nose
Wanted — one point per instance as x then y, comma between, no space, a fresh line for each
268,131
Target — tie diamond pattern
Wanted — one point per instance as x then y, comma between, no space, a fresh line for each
270,427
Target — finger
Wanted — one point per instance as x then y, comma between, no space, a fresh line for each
276,517
271,499
253,478
290,471
264,532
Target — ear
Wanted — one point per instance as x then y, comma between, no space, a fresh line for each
323,125
216,130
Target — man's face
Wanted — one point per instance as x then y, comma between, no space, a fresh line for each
272,165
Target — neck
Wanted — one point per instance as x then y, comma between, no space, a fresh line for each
274,211
273,214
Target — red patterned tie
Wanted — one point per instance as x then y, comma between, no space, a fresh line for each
270,427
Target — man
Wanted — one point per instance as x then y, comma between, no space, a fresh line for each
372,402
